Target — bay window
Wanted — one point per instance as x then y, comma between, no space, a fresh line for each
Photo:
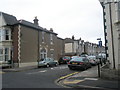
5,35
1,54
5,54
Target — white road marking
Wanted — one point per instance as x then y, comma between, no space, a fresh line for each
43,71
63,67
37,72
91,79
52,68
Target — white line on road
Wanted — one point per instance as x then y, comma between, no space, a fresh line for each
37,72
43,71
91,78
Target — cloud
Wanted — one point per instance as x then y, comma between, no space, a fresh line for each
82,18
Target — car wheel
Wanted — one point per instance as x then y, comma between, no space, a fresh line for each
38,66
56,64
70,68
47,65
59,63
84,68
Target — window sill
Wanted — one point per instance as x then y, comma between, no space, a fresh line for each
7,41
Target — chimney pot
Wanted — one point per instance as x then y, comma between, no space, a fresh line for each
36,21
51,29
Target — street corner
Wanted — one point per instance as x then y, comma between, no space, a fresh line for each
81,82
78,80
60,81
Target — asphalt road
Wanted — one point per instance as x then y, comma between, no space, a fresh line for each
37,78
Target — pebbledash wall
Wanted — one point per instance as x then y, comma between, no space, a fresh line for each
111,14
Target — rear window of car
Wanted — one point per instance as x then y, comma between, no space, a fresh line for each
66,57
77,59
91,57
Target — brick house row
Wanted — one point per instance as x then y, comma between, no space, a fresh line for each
78,46
24,42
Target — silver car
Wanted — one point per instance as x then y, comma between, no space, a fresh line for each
47,62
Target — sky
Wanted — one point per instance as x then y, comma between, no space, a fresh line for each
81,18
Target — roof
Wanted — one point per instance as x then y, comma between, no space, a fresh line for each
32,25
9,19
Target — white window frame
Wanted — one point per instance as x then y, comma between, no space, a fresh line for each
3,35
43,36
51,38
7,55
1,54
43,54
4,54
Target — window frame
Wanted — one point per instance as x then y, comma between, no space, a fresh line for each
51,38
5,34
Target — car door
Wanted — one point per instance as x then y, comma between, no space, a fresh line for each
51,63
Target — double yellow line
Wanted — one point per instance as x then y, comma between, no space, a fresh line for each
68,75
1,72
58,81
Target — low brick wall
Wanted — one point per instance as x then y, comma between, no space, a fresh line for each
28,64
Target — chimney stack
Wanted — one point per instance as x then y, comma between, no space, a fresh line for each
36,21
51,29
73,37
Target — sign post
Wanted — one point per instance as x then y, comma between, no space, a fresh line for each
100,45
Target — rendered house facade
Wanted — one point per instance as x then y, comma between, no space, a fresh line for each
111,15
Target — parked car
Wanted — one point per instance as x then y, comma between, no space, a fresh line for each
84,55
74,57
93,60
47,62
64,60
79,63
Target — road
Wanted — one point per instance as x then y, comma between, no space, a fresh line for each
36,78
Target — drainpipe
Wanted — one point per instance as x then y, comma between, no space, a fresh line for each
38,47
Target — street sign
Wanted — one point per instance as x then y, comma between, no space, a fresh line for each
100,43
99,39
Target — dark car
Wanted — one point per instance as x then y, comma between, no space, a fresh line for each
64,60
81,63
47,62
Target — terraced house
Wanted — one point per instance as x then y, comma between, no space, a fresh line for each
24,43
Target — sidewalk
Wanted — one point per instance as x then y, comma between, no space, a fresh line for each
19,69
89,80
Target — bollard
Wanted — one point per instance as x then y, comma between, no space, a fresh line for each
98,70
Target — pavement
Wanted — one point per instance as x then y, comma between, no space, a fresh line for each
19,69
89,79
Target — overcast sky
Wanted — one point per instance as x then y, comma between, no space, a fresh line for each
81,18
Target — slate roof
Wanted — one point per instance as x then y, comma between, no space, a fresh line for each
9,19
32,25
